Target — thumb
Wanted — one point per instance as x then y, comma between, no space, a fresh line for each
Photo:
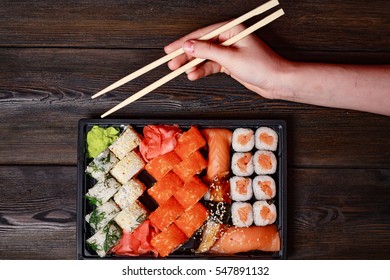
208,50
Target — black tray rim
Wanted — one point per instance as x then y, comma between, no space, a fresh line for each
83,123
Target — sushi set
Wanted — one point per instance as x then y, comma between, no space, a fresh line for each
182,189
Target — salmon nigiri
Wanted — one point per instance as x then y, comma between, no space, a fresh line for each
218,141
236,240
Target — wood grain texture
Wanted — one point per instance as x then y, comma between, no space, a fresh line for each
314,25
338,214
38,213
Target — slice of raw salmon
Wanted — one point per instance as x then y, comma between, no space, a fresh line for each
236,240
218,141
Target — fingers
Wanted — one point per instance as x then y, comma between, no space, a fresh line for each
178,61
201,49
208,50
194,35
217,56
208,68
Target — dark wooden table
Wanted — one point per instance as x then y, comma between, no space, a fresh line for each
55,54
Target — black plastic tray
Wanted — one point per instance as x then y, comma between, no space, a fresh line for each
85,182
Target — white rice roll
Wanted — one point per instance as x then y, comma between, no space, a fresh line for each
266,139
242,214
264,162
243,139
264,213
242,164
126,142
127,167
241,188
264,187
129,193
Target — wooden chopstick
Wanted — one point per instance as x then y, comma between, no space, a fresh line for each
194,62
259,10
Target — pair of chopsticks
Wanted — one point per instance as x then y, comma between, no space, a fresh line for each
257,11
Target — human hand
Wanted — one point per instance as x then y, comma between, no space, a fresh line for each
249,61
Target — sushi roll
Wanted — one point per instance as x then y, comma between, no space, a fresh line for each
129,193
264,213
102,215
104,239
264,187
266,139
241,188
192,219
101,165
242,214
125,143
242,164
243,140
132,216
162,190
191,166
127,167
166,214
159,166
191,192
168,240
102,191
264,162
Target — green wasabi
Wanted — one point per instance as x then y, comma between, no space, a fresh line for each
99,138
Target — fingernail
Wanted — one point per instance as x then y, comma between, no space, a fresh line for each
188,47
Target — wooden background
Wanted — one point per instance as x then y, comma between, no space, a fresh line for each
55,54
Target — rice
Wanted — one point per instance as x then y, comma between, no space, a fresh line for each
242,164
264,162
264,187
264,213
241,188
243,140
242,214
266,139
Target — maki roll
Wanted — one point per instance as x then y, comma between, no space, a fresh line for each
168,240
264,162
266,139
161,165
125,143
102,191
242,164
104,239
242,214
264,187
241,188
102,215
192,219
127,167
129,193
166,214
101,165
264,213
190,193
132,216
243,140
162,190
